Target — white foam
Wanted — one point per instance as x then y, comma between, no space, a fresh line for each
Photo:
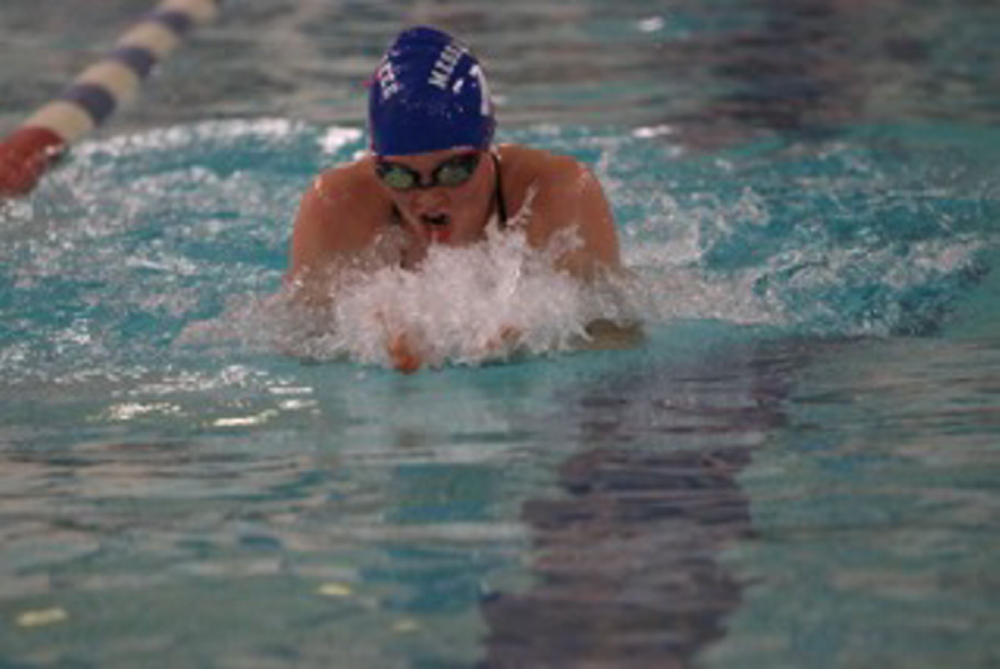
456,307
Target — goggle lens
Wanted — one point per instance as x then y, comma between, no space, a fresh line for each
454,173
398,177
450,173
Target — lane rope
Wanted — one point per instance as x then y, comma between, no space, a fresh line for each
90,99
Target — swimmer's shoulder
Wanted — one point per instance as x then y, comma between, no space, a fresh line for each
346,193
546,183
522,160
343,208
557,192
346,186
526,167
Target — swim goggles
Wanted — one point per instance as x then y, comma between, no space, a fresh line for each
452,172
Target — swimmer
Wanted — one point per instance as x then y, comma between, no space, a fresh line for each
435,176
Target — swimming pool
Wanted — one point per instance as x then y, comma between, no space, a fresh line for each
797,469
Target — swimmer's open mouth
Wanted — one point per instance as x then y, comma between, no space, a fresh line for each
437,220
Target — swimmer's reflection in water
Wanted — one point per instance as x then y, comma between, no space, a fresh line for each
626,569
435,176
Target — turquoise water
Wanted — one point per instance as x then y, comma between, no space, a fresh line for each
798,468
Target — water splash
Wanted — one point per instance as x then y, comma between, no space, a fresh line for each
143,248
461,305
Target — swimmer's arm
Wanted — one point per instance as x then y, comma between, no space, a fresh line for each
575,201
329,232
333,229
309,257
570,199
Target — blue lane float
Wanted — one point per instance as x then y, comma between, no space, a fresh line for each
35,145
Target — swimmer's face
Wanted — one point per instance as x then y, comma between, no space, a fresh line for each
443,196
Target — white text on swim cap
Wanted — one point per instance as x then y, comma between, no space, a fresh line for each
386,78
486,100
445,65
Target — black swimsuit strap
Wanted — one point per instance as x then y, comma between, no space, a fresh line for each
501,202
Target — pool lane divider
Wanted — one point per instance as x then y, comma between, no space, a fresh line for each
37,143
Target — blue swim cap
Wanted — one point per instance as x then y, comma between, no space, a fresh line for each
429,93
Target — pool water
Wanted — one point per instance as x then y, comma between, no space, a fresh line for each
797,468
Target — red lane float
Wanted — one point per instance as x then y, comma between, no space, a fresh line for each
33,147
25,156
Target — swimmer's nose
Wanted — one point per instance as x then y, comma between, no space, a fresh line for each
429,201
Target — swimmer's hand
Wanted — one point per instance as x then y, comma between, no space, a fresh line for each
406,357
403,353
